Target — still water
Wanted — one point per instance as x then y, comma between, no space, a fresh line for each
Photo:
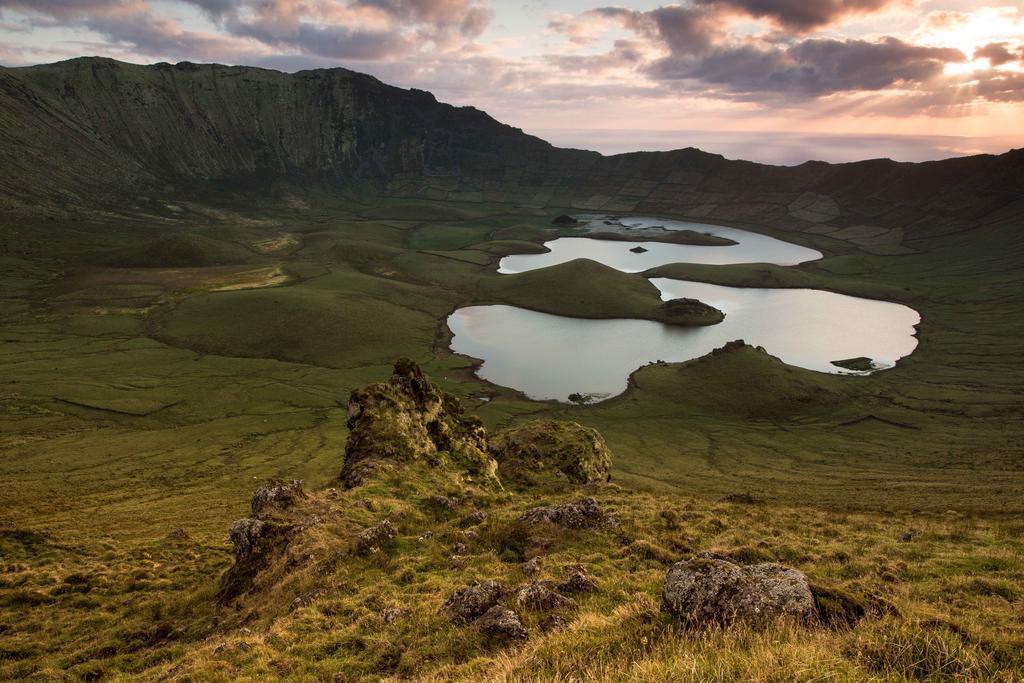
549,357
750,248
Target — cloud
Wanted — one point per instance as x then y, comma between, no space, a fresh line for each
470,17
358,30
337,42
624,54
158,37
810,68
1002,88
214,8
997,54
799,16
70,9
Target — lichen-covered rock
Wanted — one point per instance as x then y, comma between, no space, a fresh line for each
531,567
256,542
538,451
408,419
577,580
470,602
582,514
539,596
474,518
276,495
245,535
444,503
717,591
501,623
391,614
372,538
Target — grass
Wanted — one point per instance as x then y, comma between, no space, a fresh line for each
177,251
135,402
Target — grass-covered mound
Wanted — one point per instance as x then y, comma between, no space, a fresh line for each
298,323
748,383
551,451
858,364
769,275
177,251
582,288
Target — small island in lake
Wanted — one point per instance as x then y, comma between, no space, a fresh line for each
859,364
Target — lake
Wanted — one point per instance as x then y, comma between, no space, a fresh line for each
549,356
750,248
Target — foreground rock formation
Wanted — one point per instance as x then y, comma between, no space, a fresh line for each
425,538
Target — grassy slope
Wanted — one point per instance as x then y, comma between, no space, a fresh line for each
110,439
587,289
177,251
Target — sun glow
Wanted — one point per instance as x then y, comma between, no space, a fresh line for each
969,31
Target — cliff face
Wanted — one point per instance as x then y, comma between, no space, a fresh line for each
91,131
98,124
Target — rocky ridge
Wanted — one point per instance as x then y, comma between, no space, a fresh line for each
418,474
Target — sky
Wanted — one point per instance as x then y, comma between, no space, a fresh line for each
778,81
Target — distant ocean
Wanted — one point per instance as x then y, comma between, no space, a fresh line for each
786,149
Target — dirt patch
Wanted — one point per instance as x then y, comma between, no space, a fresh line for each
255,278
276,245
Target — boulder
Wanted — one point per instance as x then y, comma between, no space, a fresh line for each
501,623
408,419
276,496
372,538
539,596
531,567
717,591
538,451
582,514
471,602
577,580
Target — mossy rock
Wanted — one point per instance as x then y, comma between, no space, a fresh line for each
408,419
548,451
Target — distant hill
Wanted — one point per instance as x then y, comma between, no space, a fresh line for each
94,132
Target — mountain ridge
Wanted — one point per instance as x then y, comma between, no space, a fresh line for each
94,132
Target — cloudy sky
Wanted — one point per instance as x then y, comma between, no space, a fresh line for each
772,80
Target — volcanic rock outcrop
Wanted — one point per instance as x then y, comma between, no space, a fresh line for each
550,450
408,419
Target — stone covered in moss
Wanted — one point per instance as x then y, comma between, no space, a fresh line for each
548,450
408,419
